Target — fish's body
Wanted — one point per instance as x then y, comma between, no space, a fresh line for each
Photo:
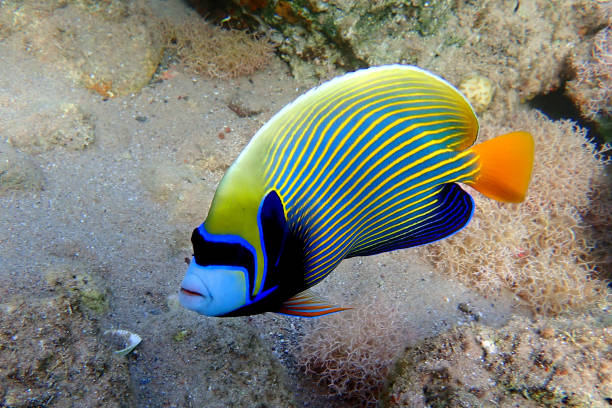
363,164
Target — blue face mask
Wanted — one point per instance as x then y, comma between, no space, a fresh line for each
213,290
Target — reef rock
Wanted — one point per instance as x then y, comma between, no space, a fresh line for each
50,351
522,47
317,36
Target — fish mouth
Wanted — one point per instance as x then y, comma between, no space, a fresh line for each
194,294
191,292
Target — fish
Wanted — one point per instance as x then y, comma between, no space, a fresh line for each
365,163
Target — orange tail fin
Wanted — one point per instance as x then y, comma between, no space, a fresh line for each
505,166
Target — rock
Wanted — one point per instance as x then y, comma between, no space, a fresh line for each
64,125
111,47
80,284
18,171
347,34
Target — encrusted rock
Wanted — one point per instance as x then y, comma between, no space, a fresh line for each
515,365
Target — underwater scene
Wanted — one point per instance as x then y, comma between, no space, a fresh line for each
305,203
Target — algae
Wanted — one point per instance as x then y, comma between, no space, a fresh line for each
209,50
182,335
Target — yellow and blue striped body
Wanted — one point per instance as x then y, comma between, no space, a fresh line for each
365,163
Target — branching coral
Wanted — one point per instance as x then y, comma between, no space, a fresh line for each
212,51
544,248
351,352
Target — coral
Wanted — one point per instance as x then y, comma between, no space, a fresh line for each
549,362
351,352
546,249
478,90
212,51
591,89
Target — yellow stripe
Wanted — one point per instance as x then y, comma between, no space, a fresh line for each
342,143
282,131
440,164
321,184
287,178
457,179
313,107
358,232
387,89
340,128
344,88
403,227
366,161
382,172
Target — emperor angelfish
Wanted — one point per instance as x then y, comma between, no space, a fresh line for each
366,163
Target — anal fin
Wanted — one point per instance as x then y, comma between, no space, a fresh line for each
454,210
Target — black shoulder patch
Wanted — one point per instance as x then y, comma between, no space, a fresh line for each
274,227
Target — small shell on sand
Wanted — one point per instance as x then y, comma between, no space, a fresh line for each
127,338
